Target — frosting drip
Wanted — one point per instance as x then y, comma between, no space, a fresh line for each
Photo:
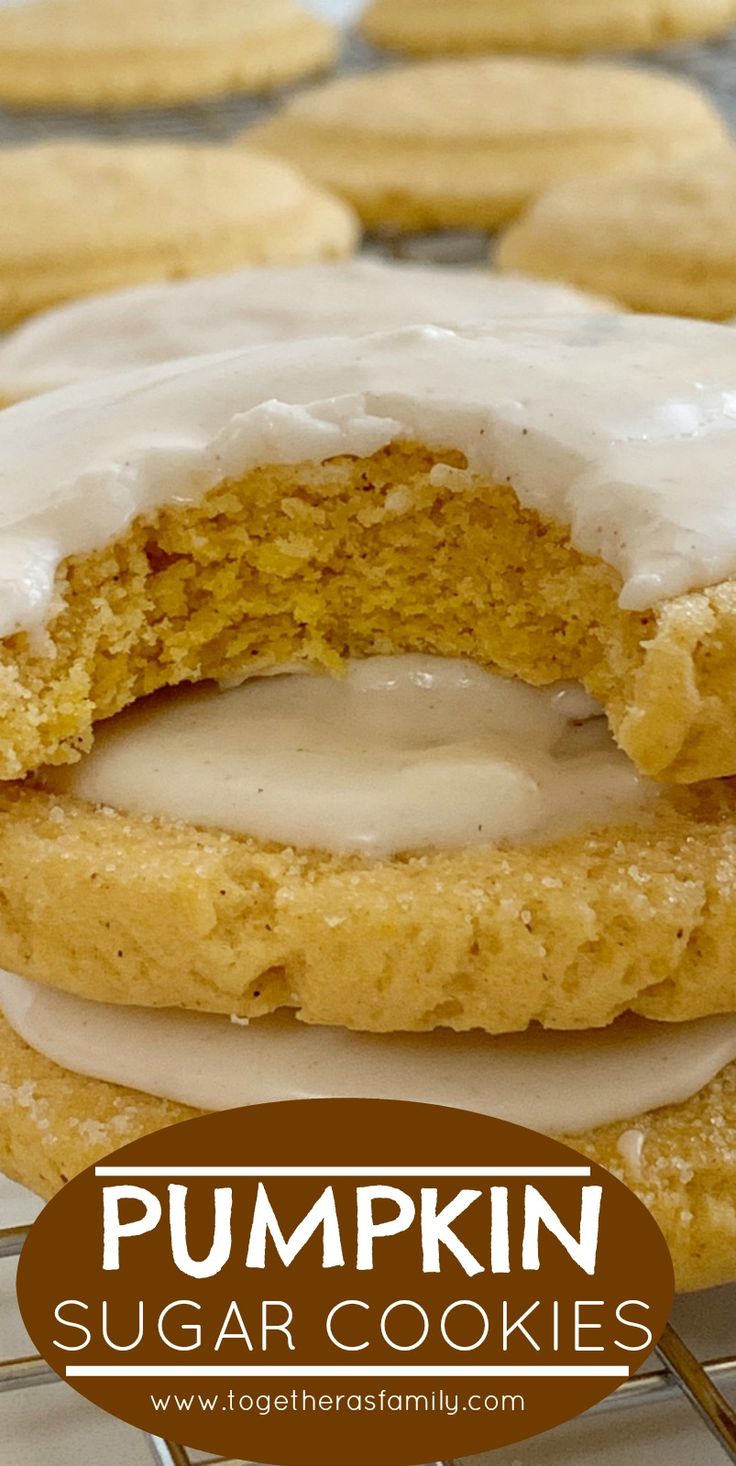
404,753
622,427
563,1083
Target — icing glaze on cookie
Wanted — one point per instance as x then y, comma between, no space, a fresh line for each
564,1083
154,323
404,753
620,427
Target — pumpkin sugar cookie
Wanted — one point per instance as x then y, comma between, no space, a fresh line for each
468,143
92,216
436,27
502,497
131,53
663,240
488,500
623,902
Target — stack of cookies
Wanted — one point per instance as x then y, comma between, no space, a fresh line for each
368,728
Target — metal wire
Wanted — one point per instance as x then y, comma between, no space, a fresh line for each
11,1241
24,1374
165,1453
704,1396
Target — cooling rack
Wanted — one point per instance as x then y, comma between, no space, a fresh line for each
679,1373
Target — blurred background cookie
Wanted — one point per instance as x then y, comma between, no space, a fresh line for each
664,239
127,53
426,27
156,323
468,143
90,216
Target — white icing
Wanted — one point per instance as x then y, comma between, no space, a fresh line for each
562,1083
403,753
622,427
80,341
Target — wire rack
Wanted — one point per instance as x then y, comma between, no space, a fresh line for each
679,1373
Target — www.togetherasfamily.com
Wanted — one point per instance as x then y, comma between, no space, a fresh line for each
302,1402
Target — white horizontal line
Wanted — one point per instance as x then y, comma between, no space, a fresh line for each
333,1171
347,1371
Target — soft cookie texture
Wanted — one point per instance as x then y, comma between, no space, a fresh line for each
360,557
129,53
53,1124
664,239
87,217
426,27
218,516
155,323
638,917
470,142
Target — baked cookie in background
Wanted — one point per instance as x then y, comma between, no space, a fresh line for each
132,53
89,216
662,240
155,323
427,27
468,143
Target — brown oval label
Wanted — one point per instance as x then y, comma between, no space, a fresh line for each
345,1280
